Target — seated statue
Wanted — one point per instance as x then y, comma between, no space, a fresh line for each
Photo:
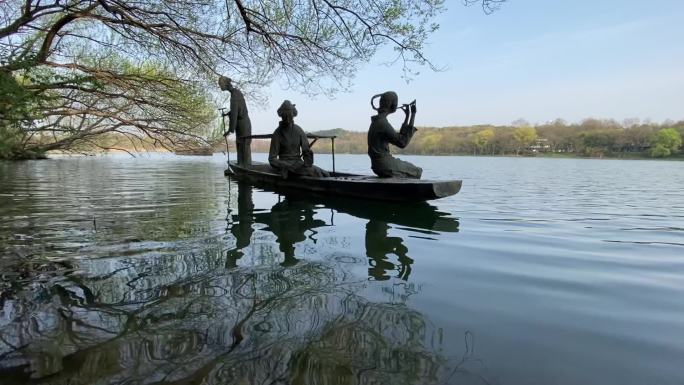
381,134
290,153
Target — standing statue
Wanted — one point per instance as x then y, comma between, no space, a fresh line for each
239,122
381,134
290,153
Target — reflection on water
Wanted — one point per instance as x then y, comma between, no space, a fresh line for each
379,245
302,324
292,220
113,289
159,270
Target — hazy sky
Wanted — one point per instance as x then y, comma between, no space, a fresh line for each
533,59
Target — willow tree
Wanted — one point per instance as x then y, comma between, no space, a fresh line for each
73,70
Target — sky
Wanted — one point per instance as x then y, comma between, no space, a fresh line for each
537,60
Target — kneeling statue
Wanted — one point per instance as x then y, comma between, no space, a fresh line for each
381,134
290,153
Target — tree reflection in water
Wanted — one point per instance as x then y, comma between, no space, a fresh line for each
179,318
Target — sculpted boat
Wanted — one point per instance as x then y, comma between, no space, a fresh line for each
352,185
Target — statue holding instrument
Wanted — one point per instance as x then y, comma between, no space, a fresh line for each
238,121
290,152
381,134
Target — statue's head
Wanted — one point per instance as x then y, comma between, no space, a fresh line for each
225,83
388,102
287,111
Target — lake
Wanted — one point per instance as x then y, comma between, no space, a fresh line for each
160,270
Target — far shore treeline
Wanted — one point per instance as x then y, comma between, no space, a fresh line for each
590,138
593,138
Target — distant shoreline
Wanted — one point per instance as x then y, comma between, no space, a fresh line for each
678,157
540,155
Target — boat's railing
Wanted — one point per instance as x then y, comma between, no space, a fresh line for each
315,138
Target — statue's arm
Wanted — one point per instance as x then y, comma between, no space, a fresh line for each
274,151
402,138
307,154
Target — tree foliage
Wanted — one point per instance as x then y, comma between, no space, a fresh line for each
592,137
525,136
95,60
665,142
482,138
72,109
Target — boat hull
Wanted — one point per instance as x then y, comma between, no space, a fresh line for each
351,185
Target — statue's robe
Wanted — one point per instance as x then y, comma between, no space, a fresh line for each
290,152
240,124
384,165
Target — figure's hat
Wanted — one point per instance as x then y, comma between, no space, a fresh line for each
287,106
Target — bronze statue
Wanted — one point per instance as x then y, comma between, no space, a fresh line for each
381,134
239,122
290,153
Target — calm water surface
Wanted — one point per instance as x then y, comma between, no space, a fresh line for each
159,270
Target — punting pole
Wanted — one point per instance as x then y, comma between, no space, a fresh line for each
333,152
225,133
227,148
